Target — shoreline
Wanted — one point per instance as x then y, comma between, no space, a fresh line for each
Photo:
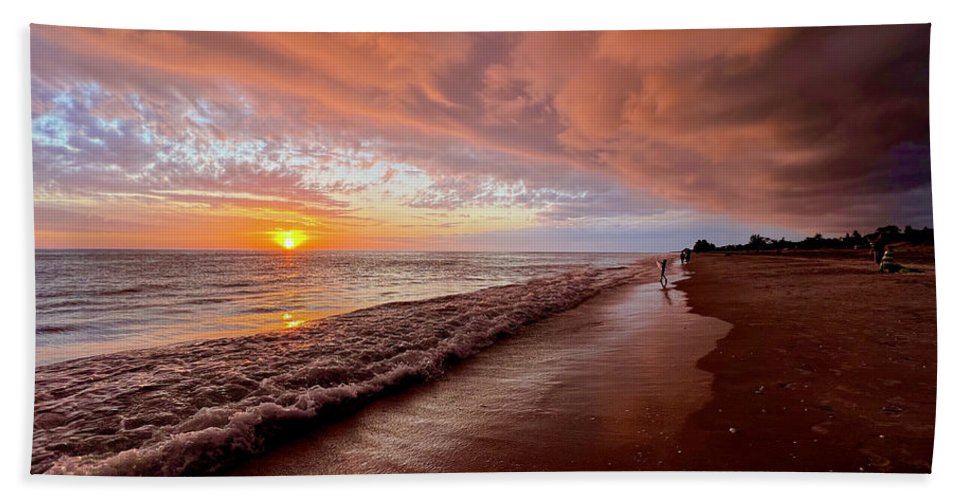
829,366
603,386
803,361
805,364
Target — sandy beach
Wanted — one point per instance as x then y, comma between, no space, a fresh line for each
830,366
808,361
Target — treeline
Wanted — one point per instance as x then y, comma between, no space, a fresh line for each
887,234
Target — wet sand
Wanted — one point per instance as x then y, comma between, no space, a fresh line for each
605,386
799,362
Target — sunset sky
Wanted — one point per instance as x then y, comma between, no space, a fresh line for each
577,141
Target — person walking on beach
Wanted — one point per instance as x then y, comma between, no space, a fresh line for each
662,264
877,248
686,255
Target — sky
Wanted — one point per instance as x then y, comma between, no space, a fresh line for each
506,141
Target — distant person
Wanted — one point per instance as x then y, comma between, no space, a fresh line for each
662,264
686,255
877,248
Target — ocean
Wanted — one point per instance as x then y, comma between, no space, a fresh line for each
152,363
101,301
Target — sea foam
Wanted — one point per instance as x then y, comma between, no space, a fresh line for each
194,408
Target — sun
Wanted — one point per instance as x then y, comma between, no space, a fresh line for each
289,239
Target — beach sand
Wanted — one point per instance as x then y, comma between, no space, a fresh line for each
809,361
829,366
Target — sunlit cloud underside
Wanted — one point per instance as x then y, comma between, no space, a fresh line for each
576,141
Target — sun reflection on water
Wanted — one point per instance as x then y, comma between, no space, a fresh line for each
290,321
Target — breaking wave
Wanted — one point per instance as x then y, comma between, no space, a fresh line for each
197,407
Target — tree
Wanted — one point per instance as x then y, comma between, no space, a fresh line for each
890,232
757,241
703,246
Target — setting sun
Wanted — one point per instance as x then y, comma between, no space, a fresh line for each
289,239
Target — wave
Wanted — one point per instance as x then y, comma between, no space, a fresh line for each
264,309
130,290
205,300
197,407
238,284
53,330
63,303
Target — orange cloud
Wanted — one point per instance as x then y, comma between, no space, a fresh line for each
807,128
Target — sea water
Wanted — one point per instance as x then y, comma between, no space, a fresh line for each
148,404
96,302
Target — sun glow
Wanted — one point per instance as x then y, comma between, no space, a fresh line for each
289,239
290,322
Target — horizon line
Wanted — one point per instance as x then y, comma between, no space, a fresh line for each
321,250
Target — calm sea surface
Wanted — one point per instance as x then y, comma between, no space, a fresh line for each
94,302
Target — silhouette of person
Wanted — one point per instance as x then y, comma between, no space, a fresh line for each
662,264
878,248
686,255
